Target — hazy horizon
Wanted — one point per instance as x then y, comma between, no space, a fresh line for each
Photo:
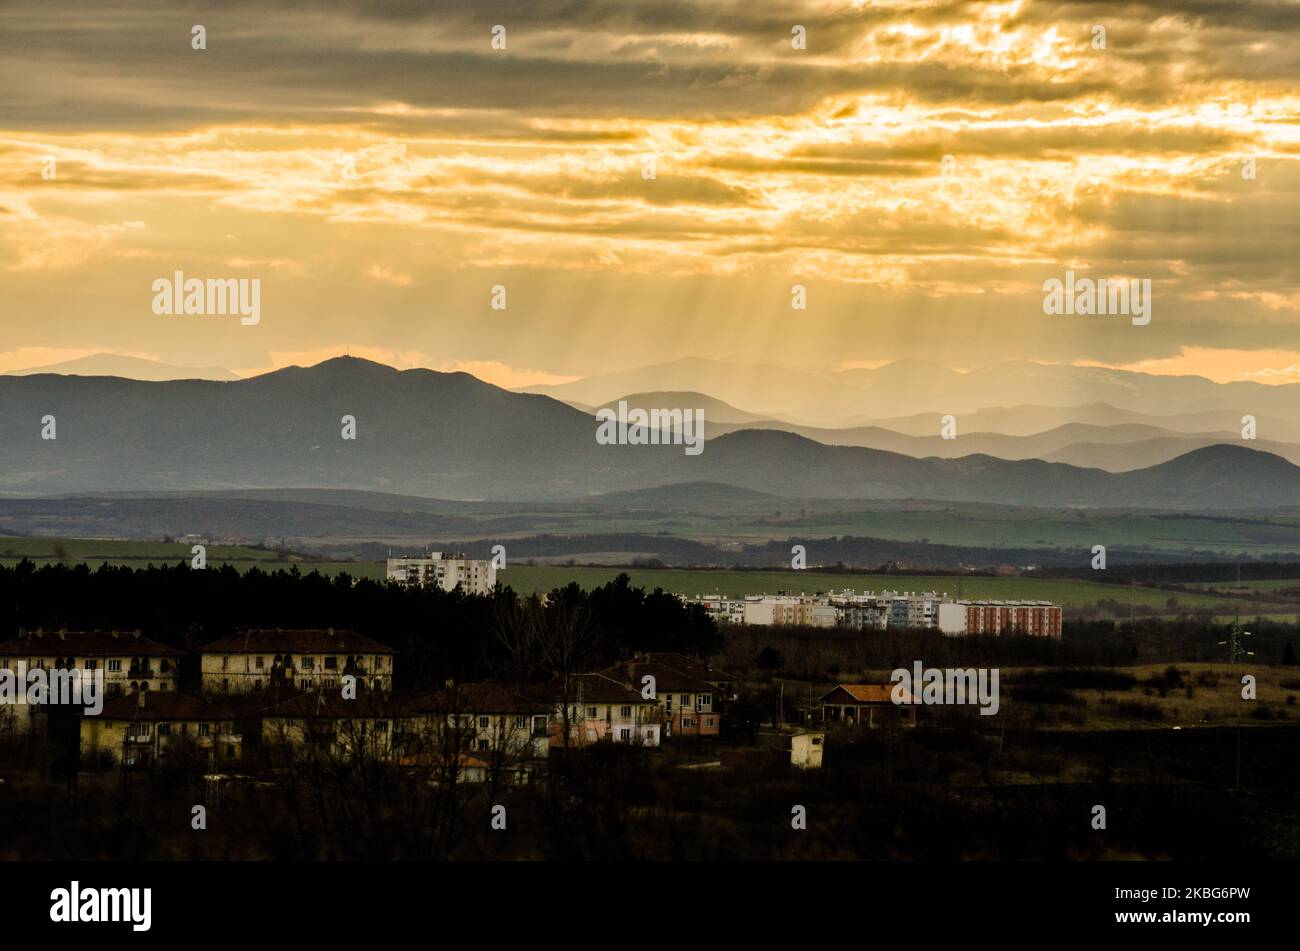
919,169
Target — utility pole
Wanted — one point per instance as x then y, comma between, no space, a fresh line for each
1236,654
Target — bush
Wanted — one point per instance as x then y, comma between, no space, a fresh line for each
1139,710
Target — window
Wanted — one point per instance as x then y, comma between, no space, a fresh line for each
91,663
140,729
261,662
625,734
230,751
164,665
164,729
382,726
331,663
225,685
308,663
521,722
482,745
115,665
483,723
625,711
203,729
686,699
591,712
539,725
709,722
257,684
706,699
225,663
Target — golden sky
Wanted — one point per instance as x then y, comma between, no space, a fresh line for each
380,167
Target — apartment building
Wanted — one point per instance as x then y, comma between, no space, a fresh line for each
130,662
601,709
687,706
148,726
446,571
302,660
322,724
787,610
488,719
1031,618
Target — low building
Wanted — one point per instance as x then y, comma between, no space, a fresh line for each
806,749
129,661
321,724
296,660
723,683
496,723
150,726
687,706
445,571
868,705
600,709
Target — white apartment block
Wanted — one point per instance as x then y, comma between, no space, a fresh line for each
475,576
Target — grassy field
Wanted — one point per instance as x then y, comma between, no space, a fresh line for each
526,579
964,526
1204,695
739,583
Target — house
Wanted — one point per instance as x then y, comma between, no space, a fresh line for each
487,718
686,704
322,724
723,683
869,705
600,708
125,661
129,661
302,660
149,726
806,748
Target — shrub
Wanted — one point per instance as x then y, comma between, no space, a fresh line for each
1139,710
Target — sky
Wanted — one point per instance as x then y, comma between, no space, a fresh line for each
919,168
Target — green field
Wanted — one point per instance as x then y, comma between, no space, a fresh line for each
729,582
526,578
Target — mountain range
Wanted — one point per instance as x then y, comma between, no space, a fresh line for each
452,436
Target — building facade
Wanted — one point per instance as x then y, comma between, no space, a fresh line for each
1027,618
301,660
446,571
149,726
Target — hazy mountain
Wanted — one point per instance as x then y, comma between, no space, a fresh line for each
451,436
130,368
1028,419
906,388
715,410
1116,448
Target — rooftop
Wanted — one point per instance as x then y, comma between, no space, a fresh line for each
86,644
311,641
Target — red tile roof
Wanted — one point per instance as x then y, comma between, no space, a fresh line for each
162,705
85,644
869,693
478,699
329,704
315,641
